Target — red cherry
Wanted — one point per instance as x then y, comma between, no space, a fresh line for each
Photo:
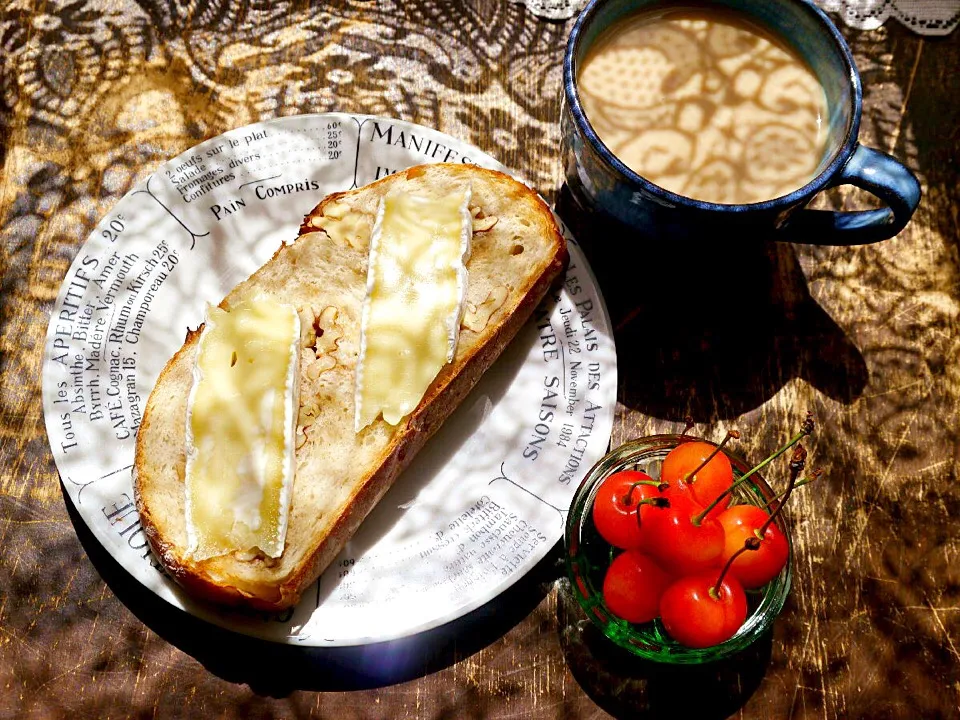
681,546
753,568
699,614
633,585
616,503
707,483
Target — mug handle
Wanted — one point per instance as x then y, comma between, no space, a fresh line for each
877,173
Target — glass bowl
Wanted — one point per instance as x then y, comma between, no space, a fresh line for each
588,555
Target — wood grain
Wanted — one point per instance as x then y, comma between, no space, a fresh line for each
738,334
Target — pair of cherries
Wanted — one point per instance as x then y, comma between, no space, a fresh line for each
688,553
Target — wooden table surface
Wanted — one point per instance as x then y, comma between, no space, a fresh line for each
94,96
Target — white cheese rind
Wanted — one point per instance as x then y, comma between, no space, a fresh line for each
415,293
240,426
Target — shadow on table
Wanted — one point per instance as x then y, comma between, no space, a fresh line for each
629,687
713,328
276,670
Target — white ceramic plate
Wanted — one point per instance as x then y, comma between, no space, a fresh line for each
479,506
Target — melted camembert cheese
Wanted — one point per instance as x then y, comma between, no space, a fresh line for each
241,420
416,287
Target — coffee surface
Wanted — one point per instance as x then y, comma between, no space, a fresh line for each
704,104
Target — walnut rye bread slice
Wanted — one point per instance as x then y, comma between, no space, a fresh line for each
517,252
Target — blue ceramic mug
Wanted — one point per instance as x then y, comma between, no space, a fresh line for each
602,181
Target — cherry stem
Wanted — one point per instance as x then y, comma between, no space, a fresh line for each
751,543
660,502
691,477
661,486
815,475
805,429
797,463
688,424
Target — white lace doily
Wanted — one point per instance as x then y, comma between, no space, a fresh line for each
926,17
553,9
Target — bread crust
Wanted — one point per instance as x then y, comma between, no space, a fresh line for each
207,579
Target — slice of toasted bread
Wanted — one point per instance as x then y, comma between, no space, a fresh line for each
517,251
